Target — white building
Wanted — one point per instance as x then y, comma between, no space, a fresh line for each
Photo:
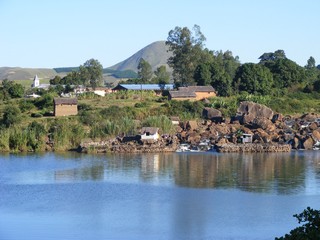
36,83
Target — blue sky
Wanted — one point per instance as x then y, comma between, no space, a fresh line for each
63,33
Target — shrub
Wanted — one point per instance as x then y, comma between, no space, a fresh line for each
12,115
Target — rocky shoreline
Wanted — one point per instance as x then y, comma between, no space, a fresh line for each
267,132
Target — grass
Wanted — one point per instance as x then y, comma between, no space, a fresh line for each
26,83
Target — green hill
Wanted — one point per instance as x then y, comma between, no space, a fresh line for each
17,73
156,54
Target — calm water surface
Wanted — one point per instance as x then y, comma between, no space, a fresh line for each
155,196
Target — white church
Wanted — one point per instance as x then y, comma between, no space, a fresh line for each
36,83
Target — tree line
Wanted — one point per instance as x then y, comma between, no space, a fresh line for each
193,64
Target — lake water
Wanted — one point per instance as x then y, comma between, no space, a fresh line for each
155,196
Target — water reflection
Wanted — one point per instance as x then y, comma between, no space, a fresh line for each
249,172
279,173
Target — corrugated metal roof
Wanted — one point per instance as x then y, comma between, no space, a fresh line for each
145,87
65,101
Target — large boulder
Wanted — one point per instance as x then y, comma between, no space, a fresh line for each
211,113
264,123
251,110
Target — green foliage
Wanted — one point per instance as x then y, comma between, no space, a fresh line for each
187,49
56,80
162,122
311,63
203,74
45,101
11,116
285,72
244,96
91,73
310,228
144,70
84,107
4,140
26,105
66,134
66,69
10,89
228,106
184,109
104,129
36,135
18,140
162,76
254,79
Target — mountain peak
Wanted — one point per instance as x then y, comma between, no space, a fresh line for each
156,54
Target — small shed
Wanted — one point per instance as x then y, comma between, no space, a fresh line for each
149,133
246,138
65,106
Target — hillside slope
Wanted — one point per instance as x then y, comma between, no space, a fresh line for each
156,54
17,73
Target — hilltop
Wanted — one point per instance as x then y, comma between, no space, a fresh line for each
156,53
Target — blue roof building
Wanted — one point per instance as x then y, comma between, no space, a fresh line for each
138,87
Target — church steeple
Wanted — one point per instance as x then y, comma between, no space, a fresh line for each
36,81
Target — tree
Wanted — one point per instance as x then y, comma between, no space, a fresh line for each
16,90
11,89
187,49
279,54
144,70
11,116
219,72
162,76
310,228
202,74
286,72
56,80
311,63
91,73
254,79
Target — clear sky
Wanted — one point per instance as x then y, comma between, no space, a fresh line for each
65,33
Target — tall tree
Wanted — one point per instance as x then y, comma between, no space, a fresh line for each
144,70
202,74
219,72
91,73
187,48
311,63
162,76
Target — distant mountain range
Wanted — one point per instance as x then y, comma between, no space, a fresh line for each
156,54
